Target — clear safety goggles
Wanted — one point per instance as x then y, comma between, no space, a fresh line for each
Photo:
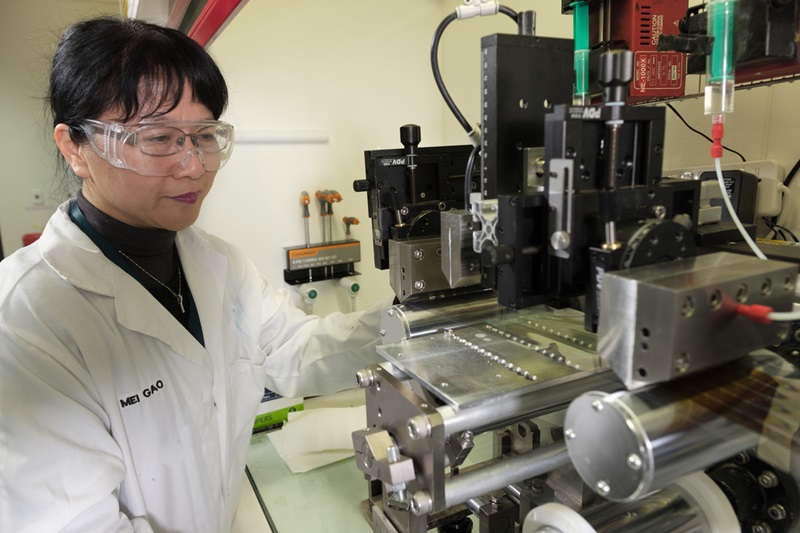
158,149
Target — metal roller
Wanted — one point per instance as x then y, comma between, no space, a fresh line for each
410,320
629,443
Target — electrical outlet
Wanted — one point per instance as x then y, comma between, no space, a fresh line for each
769,196
765,169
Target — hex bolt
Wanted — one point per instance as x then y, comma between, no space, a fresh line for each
687,308
776,512
421,503
741,458
768,479
365,378
419,427
660,212
419,254
761,527
682,363
465,439
560,240
392,454
494,501
603,488
634,462
419,284
398,499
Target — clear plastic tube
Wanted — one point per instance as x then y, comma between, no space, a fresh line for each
732,212
719,65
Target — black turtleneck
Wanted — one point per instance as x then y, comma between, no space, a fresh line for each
153,251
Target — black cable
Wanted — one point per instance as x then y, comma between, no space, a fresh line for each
437,36
771,225
779,230
787,230
437,76
788,179
510,12
468,176
703,134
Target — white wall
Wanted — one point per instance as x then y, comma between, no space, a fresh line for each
28,34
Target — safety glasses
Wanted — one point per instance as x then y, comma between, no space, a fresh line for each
159,149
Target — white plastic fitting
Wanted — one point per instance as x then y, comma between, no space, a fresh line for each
477,8
309,294
350,284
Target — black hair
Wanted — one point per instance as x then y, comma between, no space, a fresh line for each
130,65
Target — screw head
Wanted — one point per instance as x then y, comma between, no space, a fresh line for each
365,378
634,462
776,512
560,240
768,479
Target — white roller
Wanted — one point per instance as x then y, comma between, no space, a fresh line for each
697,490
706,496
555,518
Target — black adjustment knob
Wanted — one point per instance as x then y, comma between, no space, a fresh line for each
361,185
616,73
410,136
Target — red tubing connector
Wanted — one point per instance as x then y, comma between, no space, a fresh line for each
756,313
717,131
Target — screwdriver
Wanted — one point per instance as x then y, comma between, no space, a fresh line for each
304,201
333,197
348,221
322,197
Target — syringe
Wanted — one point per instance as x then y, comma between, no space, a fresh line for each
580,34
719,65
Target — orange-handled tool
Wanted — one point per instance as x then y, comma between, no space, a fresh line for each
304,201
348,221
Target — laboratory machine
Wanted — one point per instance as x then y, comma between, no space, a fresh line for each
581,343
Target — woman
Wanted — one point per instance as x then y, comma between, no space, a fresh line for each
134,348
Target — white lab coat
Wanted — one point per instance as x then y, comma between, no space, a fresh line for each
113,417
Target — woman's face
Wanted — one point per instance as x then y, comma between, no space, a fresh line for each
172,202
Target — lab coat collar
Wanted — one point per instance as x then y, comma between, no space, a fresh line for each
76,259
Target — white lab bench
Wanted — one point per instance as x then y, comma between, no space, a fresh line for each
324,500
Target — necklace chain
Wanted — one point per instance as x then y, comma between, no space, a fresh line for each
178,296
